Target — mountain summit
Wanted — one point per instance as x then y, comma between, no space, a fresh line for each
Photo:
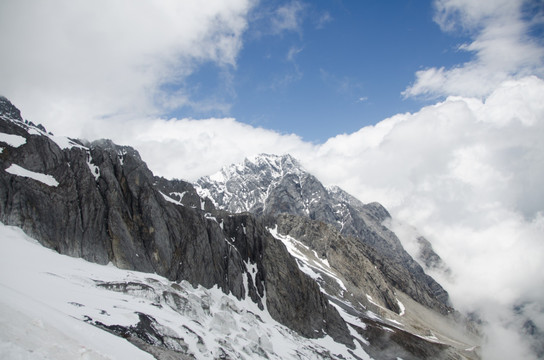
271,185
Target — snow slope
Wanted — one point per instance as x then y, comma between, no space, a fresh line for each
51,304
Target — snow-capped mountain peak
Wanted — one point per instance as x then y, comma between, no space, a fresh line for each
244,187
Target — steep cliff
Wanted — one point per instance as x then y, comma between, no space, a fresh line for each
103,204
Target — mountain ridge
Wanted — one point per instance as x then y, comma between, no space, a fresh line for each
107,206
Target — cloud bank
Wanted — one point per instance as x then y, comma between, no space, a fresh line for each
467,173
88,60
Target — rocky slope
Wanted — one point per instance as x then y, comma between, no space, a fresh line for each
314,259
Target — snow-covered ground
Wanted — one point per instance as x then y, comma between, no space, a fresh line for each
49,303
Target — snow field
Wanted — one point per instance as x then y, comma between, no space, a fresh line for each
46,297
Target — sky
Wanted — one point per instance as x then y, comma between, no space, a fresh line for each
433,108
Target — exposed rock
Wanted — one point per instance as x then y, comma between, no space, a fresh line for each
429,257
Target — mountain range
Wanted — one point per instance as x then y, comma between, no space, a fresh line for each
258,252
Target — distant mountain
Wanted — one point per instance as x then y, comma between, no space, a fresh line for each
265,233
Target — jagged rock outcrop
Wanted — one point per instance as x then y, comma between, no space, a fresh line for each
101,202
431,260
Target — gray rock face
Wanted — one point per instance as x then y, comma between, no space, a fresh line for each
278,185
431,260
348,257
108,207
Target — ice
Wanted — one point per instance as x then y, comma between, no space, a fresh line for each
43,178
12,140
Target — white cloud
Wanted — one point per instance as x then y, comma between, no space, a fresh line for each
188,149
323,20
501,48
88,59
287,17
293,52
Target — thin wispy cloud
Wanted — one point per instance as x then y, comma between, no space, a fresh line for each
500,46
288,17
323,20
340,84
293,52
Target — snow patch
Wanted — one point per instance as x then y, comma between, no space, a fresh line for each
12,140
95,170
62,141
43,178
121,155
169,199
310,265
401,307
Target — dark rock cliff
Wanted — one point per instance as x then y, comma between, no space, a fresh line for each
108,207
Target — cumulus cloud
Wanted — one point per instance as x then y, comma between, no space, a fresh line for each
189,149
92,59
501,48
467,174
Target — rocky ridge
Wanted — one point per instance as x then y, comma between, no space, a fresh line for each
271,185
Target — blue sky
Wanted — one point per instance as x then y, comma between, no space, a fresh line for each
338,66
